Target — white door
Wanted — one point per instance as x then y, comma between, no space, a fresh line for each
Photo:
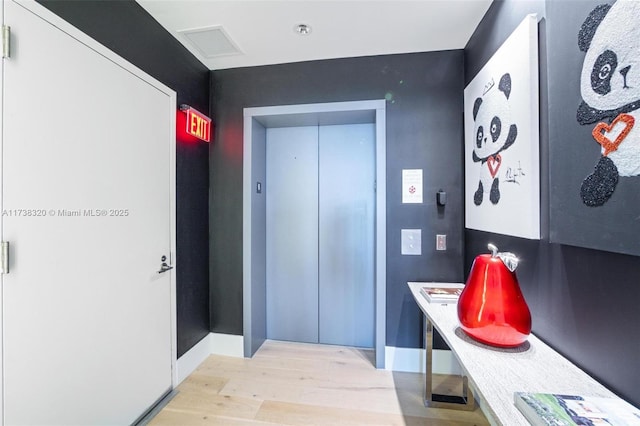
86,171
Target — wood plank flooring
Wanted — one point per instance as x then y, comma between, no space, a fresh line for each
303,384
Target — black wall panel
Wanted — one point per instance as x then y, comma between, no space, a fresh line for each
128,30
583,302
424,95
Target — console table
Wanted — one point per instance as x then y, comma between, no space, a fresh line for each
494,374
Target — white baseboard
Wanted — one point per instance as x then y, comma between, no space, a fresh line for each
190,360
227,344
413,360
211,344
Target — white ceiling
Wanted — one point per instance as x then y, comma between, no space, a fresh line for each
263,30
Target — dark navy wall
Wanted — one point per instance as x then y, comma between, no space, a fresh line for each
424,95
127,29
583,302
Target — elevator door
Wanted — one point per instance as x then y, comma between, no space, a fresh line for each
320,234
292,234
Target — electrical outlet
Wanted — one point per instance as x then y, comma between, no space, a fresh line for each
441,242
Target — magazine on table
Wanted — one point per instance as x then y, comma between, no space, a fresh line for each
575,410
441,292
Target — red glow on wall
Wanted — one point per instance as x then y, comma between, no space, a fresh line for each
181,134
197,124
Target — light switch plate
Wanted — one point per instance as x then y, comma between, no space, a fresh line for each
441,242
411,241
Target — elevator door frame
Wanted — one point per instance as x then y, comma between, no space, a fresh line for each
256,121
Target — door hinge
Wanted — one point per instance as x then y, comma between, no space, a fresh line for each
4,257
6,41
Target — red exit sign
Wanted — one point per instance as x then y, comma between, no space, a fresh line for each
198,124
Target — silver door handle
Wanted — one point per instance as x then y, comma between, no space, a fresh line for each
164,267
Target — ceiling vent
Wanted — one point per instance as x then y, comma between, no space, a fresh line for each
211,42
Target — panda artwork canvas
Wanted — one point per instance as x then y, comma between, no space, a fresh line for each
610,92
502,179
594,161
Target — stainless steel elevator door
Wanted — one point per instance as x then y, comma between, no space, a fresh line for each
292,234
346,232
320,234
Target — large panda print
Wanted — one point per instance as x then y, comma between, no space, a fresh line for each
610,91
502,192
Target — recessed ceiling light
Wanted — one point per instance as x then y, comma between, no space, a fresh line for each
302,29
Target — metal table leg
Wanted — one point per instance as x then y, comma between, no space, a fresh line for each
465,402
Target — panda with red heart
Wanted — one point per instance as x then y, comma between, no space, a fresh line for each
494,132
610,90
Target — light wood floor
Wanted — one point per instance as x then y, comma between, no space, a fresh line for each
304,384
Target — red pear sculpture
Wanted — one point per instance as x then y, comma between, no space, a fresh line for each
491,308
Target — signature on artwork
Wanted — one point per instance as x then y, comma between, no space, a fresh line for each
512,175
